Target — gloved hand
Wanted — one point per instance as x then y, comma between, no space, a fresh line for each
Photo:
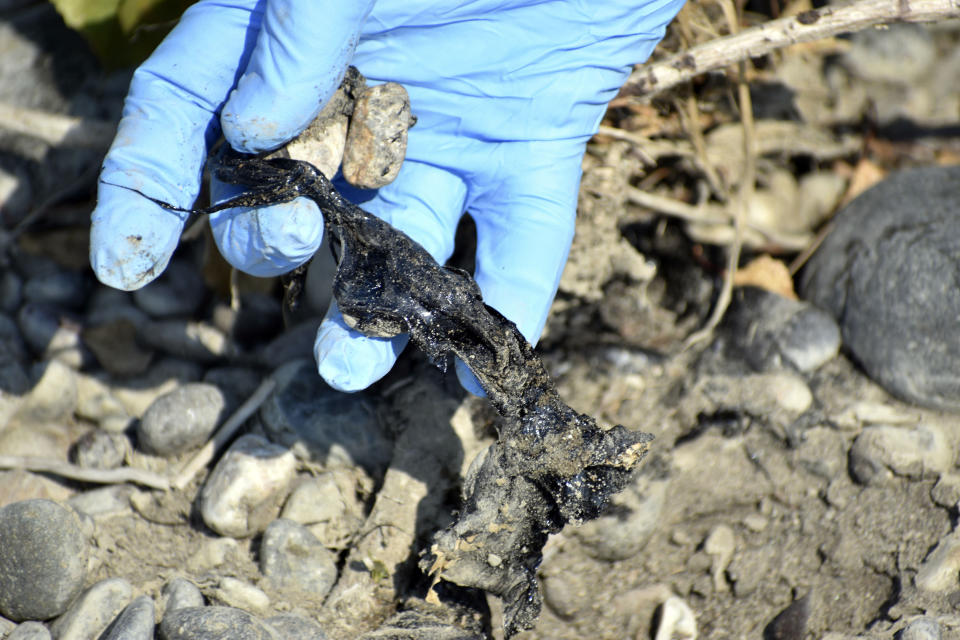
506,92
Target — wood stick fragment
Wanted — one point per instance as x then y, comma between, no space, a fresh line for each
652,79
65,469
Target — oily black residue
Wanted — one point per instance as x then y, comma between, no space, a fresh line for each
551,465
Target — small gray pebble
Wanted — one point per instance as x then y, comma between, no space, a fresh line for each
293,559
136,622
99,449
31,630
921,629
329,427
43,559
62,288
772,333
213,623
886,273
180,593
104,501
290,625
181,420
6,626
179,291
93,611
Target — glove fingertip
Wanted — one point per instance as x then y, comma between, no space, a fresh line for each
347,360
131,241
257,118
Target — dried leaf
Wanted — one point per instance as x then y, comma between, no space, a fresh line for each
767,273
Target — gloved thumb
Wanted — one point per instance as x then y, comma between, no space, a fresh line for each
302,50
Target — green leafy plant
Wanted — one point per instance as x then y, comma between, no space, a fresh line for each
122,32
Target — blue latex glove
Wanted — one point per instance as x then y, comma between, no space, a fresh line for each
506,93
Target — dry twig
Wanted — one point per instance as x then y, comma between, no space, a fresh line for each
651,79
64,469
744,193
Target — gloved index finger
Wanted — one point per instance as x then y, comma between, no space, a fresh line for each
301,53
161,143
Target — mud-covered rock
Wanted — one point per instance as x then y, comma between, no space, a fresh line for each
43,559
881,451
328,506
922,628
377,139
886,272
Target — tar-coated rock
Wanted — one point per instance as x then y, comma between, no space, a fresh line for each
43,559
182,419
213,623
887,272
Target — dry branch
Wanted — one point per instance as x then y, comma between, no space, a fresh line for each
64,469
649,80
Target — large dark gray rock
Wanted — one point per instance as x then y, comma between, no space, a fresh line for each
888,272
43,559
